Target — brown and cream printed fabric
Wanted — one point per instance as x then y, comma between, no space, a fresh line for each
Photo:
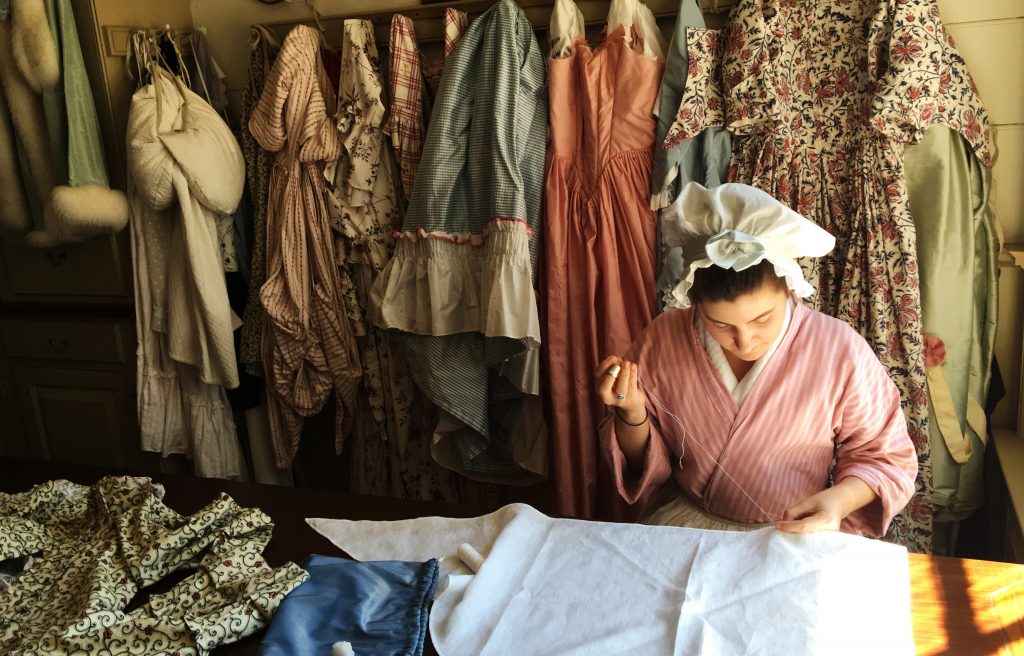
822,100
93,548
258,163
309,349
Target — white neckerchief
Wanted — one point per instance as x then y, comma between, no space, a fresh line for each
740,388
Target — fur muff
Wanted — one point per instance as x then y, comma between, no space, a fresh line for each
33,45
75,214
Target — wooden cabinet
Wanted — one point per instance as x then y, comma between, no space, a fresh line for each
70,389
94,271
81,416
12,436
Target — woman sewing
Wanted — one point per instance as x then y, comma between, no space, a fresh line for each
743,396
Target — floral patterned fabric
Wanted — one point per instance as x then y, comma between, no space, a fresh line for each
390,449
822,99
95,547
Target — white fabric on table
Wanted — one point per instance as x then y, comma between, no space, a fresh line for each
567,587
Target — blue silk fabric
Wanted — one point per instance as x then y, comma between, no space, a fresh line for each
379,607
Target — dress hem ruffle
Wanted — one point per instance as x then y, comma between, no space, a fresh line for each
435,286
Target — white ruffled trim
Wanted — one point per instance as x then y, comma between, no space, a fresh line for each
198,426
566,28
635,15
435,286
787,268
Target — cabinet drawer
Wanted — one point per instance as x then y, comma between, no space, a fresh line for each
95,341
96,269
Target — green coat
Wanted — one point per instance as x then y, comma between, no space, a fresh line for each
958,251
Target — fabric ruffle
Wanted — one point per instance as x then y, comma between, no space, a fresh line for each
784,268
197,424
567,27
446,283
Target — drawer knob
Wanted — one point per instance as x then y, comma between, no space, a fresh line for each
58,344
57,258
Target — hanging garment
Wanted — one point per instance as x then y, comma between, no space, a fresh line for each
379,608
390,443
410,107
258,163
181,150
53,175
850,410
205,78
821,101
96,547
958,253
309,351
184,167
600,234
461,283
455,23
703,159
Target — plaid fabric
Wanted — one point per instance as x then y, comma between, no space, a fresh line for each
486,161
415,79
486,158
455,23
309,350
406,122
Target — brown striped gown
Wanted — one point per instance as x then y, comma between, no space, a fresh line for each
309,351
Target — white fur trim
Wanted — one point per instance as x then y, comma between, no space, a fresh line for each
79,213
34,49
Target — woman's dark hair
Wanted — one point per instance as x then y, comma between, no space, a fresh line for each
714,283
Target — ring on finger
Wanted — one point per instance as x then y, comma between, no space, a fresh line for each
620,396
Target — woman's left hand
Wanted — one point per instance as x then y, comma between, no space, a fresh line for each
825,510
818,512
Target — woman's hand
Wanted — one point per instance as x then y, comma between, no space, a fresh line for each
825,510
621,391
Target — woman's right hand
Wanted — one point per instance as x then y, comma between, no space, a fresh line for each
622,392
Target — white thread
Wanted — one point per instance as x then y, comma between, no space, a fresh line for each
708,453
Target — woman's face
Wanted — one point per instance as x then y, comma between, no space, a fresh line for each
747,326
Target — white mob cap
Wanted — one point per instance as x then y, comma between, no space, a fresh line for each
736,226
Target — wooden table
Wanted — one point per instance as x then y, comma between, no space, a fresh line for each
952,608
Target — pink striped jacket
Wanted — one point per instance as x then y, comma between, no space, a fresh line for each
823,392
